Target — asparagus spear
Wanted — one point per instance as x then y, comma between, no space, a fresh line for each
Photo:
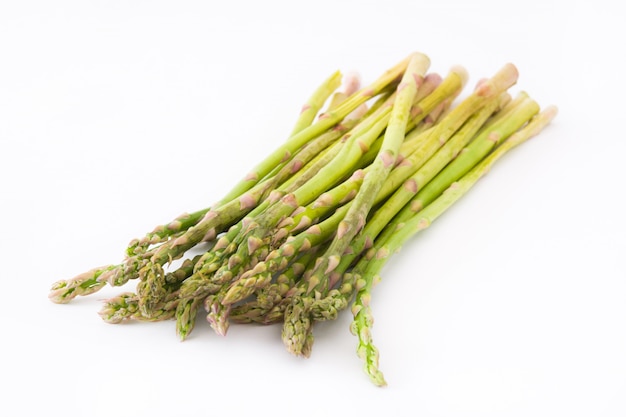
63,291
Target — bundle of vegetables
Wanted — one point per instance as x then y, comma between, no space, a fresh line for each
306,233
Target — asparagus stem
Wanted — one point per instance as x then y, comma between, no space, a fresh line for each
162,232
63,291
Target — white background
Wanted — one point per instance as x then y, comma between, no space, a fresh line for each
116,116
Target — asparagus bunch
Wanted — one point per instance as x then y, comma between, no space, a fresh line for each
305,234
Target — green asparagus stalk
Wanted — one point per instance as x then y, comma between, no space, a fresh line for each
63,291
380,254
163,232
